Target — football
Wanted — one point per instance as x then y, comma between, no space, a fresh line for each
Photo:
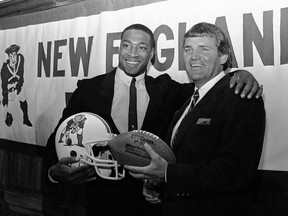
128,148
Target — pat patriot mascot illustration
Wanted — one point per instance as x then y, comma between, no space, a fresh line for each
73,126
12,77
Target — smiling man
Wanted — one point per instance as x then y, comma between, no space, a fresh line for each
216,136
136,50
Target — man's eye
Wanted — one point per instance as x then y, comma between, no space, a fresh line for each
125,45
142,48
204,49
187,50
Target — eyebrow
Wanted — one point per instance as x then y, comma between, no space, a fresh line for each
200,45
141,43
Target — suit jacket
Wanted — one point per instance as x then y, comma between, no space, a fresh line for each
218,149
96,95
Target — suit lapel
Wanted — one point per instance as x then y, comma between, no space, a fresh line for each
106,92
177,116
201,108
155,97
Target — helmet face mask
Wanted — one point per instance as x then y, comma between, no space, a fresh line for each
105,165
85,135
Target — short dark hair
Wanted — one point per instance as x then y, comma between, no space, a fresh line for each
143,28
207,29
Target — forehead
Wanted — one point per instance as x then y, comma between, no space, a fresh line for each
136,36
201,41
12,54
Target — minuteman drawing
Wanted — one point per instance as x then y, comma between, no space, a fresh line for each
12,76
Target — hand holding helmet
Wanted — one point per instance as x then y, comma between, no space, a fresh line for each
64,172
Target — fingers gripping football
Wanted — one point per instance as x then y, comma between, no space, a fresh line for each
156,169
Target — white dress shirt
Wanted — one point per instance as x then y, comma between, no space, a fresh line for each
120,104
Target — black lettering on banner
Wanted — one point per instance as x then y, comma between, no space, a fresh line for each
264,45
263,42
80,54
111,49
43,59
284,36
58,56
181,32
75,55
166,53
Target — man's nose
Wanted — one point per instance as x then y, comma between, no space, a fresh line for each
134,51
195,54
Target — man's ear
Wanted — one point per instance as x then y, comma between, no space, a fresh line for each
223,59
152,56
152,53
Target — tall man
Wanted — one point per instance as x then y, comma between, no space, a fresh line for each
217,139
108,96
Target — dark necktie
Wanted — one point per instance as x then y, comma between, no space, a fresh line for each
132,117
194,100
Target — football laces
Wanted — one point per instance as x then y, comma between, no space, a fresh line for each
146,132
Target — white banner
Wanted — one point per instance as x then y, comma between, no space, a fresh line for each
53,56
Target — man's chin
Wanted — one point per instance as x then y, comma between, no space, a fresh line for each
133,73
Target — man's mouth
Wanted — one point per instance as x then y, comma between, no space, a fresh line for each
196,65
132,63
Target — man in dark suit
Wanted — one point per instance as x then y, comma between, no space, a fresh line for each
217,140
108,95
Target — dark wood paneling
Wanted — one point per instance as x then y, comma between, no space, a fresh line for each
24,172
23,188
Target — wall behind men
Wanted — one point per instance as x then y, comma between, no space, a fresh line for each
63,45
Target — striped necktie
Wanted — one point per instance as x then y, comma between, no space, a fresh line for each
194,99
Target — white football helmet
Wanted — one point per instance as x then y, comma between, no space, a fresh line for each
86,135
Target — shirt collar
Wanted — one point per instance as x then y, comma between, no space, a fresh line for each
121,75
207,86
